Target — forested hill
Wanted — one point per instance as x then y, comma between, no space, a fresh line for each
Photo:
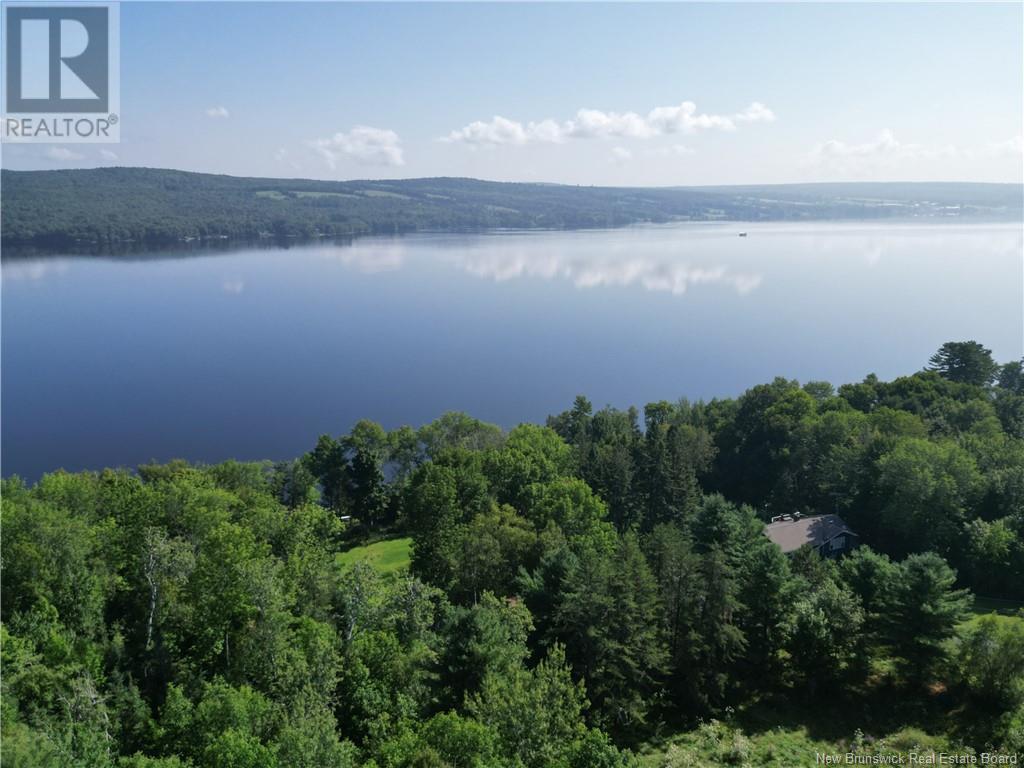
110,206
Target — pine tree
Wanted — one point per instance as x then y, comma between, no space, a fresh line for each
924,613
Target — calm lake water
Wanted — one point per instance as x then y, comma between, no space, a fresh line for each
252,353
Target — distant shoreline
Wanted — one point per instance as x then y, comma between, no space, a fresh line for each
214,246
17,249
104,209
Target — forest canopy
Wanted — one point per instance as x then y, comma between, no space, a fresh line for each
134,208
574,591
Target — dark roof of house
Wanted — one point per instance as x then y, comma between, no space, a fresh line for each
791,534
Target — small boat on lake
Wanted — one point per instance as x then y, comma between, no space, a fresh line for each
743,234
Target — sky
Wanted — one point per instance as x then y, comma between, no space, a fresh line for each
603,94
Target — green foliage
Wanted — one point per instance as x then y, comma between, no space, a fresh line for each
924,614
148,206
928,488
873,579
674,454
717,744
757,445
768,591
536,713
50,556
826,625
570,505
448,740
457,431
488,638
990,664
607,449
440,500
606,615
530,455
966,362
541,598
496,544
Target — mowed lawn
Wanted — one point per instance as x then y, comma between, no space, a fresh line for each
385,556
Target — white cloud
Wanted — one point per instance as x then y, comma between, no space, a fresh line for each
621,154
371,146
756,113
884,153
673,150
218,113
684,119
884,142
1008,148
594,123
546,131
106,154
885,145
282,155
499,130
62,154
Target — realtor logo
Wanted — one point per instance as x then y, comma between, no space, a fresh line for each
57,60
60,72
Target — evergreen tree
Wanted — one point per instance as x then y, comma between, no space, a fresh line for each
923,614
607,616
965,362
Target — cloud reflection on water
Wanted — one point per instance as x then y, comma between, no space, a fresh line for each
675,260
652,274
500,260
33,270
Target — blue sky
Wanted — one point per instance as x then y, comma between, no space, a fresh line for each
673,93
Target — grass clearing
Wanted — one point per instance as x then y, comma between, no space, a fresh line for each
304,193
716,743
1004,610
986,605
972,622
388,556
384,193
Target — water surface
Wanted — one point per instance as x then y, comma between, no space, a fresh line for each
252,353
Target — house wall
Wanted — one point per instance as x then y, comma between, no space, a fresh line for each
849,543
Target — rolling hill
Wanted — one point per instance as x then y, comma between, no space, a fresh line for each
112,207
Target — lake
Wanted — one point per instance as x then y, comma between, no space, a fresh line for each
252,353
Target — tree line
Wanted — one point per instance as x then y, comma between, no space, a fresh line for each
573,588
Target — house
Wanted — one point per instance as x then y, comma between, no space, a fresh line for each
828,534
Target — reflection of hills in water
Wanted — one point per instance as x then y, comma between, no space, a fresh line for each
138,251
502,259
672,258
